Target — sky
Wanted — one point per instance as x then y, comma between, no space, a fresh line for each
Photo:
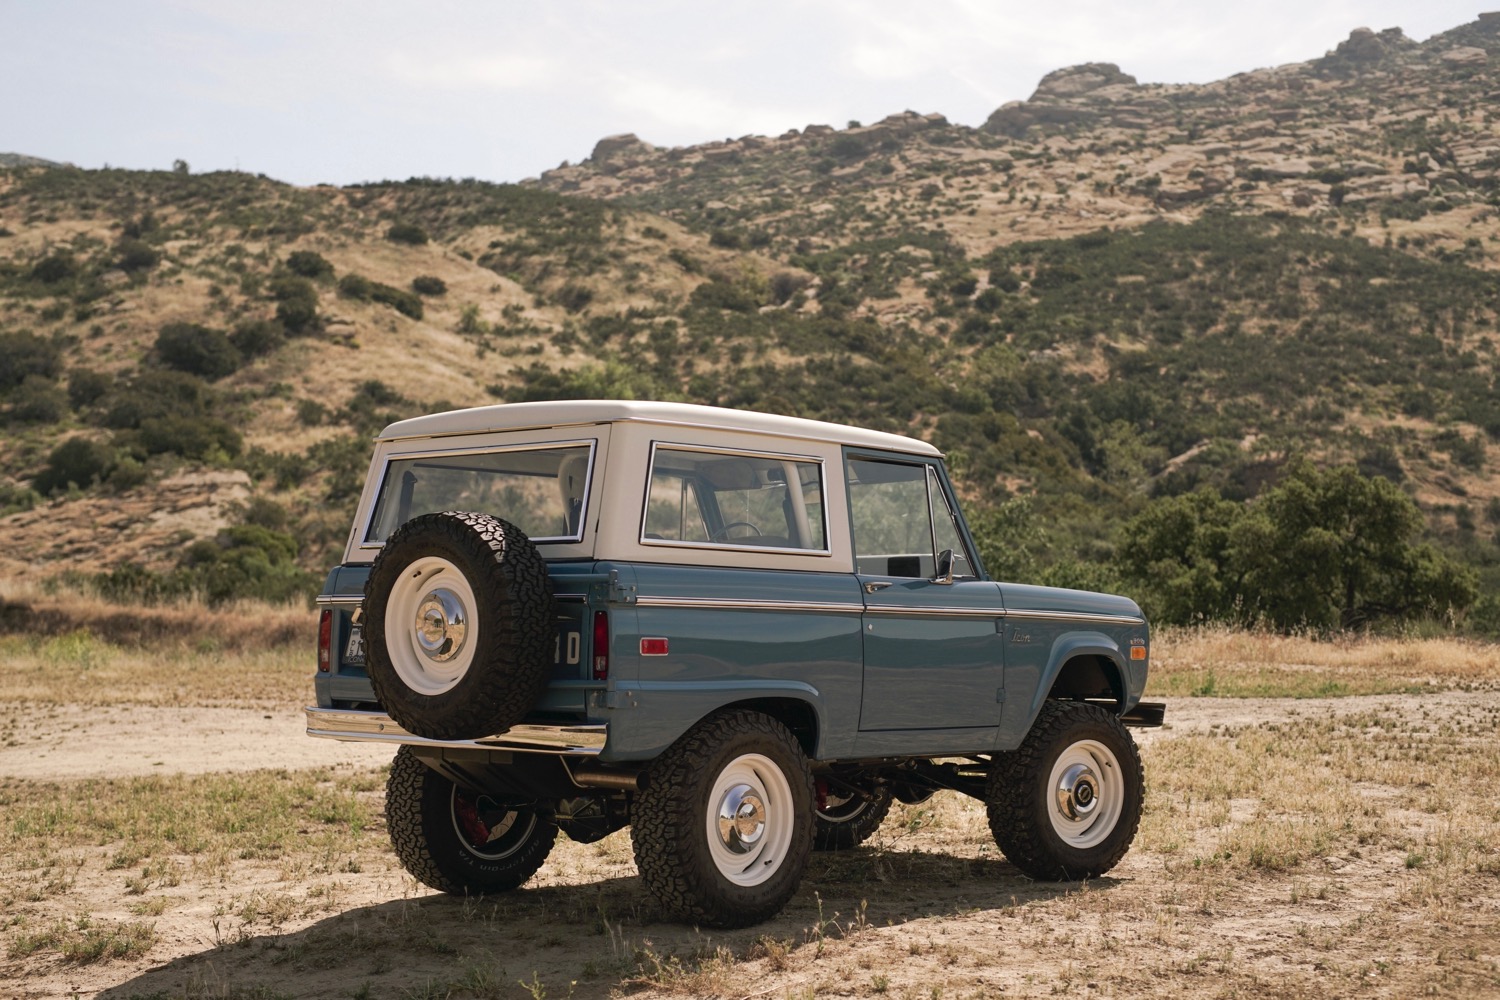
319,91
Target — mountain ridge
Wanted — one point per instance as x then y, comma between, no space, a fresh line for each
1134,292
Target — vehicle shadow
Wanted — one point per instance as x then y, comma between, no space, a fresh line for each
583,941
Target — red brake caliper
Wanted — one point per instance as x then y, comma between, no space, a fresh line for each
468,819
822,795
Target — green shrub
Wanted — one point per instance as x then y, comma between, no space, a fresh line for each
426,284
154,394
37,400
197,350
247,561
136,255
256,338
308,264
23,354
355,286
408,233
403,302
205,439
87,386
55,267
78,461
15,498
296,304
573,297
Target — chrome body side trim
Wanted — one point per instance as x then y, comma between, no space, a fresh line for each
733,604
377,727
1076,616
937,612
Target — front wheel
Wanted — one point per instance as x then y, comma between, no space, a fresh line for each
459,841
723,828
1066,804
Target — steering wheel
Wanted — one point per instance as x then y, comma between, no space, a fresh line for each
722,535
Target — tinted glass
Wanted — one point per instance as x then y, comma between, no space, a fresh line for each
540,490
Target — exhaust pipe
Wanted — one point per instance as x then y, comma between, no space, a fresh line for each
591,776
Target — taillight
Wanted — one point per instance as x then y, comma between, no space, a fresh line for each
325,642
601,646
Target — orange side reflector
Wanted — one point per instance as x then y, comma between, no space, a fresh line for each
1137,652
653,646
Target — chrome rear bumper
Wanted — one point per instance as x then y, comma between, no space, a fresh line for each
377,727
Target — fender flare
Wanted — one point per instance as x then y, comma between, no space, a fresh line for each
1069,647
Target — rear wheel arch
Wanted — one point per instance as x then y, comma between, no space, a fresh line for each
798,716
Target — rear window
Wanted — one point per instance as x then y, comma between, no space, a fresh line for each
542,490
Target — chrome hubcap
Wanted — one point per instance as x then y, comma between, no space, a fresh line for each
441,625
742,819
1078,792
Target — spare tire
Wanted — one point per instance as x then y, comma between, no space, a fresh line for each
458,625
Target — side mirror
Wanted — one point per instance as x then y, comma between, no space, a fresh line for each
944,574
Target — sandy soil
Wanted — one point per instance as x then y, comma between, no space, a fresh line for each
921,913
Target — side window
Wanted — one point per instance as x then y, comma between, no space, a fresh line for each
734,499
901,520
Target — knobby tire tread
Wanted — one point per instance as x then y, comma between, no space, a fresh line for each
428,848
665,822
1019,822
510,670
843,835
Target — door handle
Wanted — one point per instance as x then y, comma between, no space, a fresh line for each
875,585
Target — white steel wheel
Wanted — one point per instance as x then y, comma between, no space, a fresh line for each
750,819
1066,803
1087,794
723,827
430,626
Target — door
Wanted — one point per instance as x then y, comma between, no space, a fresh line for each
933,639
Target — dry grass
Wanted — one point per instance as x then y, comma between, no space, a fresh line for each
75,650
1235,663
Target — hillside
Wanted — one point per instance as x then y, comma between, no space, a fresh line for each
1109,292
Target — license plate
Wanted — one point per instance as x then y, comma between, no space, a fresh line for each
355,650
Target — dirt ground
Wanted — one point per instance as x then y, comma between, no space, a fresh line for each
928,909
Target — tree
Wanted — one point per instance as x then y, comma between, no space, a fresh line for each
1178,550
1323,549
1334,548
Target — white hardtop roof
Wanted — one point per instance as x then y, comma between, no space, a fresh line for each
578,412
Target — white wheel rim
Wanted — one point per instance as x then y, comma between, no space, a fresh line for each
1085,794
430,629
749,819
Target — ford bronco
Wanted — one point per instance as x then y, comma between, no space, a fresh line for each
741,635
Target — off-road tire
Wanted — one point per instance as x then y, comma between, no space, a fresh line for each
422,815
839,828
511,627
672,821
1023,806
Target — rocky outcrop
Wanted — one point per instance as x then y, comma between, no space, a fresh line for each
617,147
1089,94
1365,50
1075,81
1466,55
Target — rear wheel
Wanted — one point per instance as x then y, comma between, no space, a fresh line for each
458,841
1067,803
848,818
723,828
